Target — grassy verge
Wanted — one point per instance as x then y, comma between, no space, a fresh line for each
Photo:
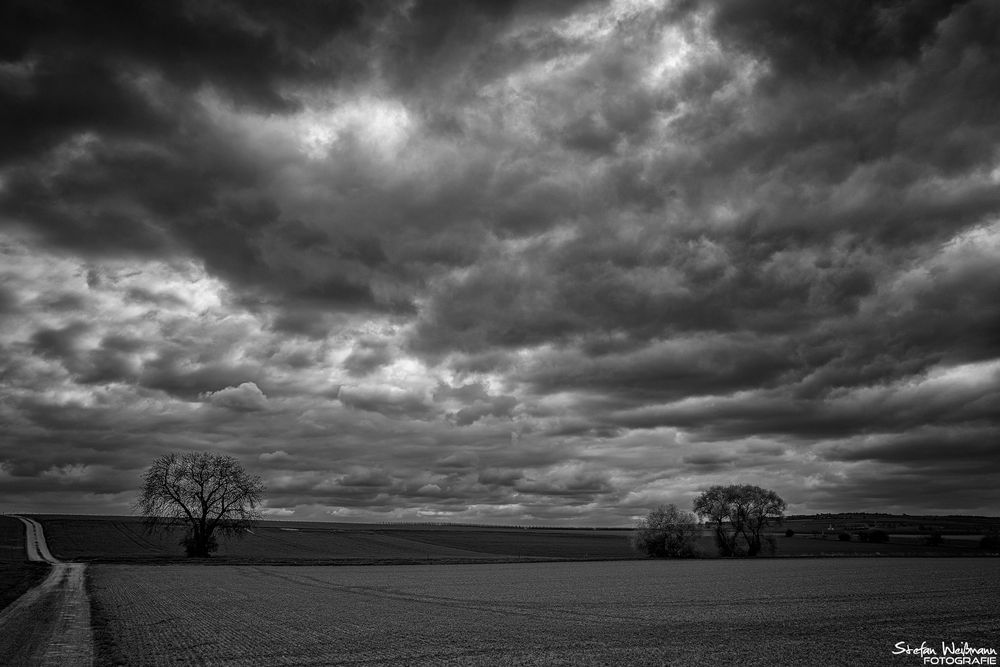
18,577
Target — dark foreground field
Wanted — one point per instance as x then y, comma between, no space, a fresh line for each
16,575
123,540
765,612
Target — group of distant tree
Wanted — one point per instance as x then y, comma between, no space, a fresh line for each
737,514
208,494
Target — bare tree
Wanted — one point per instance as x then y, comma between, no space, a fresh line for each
203,492
739,511
715,506
667,532
758,508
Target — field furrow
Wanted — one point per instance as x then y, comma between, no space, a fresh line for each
639,612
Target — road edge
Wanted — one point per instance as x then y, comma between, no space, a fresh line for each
75,615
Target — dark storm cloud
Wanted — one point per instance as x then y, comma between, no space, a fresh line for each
941,491
801,42
10,303
366,357
111,152
476,402
669,370
437,44
896,91
514,260
816,270
460,461
893,409
59,343
166,373
386,402
577,483
161,299
66,301
500,477
942,449
496,406
301,321
243,48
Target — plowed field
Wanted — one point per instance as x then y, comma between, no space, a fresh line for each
785,612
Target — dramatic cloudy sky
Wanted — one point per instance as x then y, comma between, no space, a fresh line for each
511,262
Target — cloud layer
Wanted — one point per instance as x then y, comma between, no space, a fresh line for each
510,262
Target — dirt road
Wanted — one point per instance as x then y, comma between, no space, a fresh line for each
50,624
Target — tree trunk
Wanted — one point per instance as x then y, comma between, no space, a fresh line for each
199,543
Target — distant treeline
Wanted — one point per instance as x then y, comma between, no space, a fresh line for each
449,524
884,515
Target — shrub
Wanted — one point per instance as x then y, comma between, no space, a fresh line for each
934,539
990,541
789,533
876,535
844,537
666,532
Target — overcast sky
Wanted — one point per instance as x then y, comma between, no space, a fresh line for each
505,262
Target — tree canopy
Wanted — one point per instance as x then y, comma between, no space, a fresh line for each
667,532
739,513
205,493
